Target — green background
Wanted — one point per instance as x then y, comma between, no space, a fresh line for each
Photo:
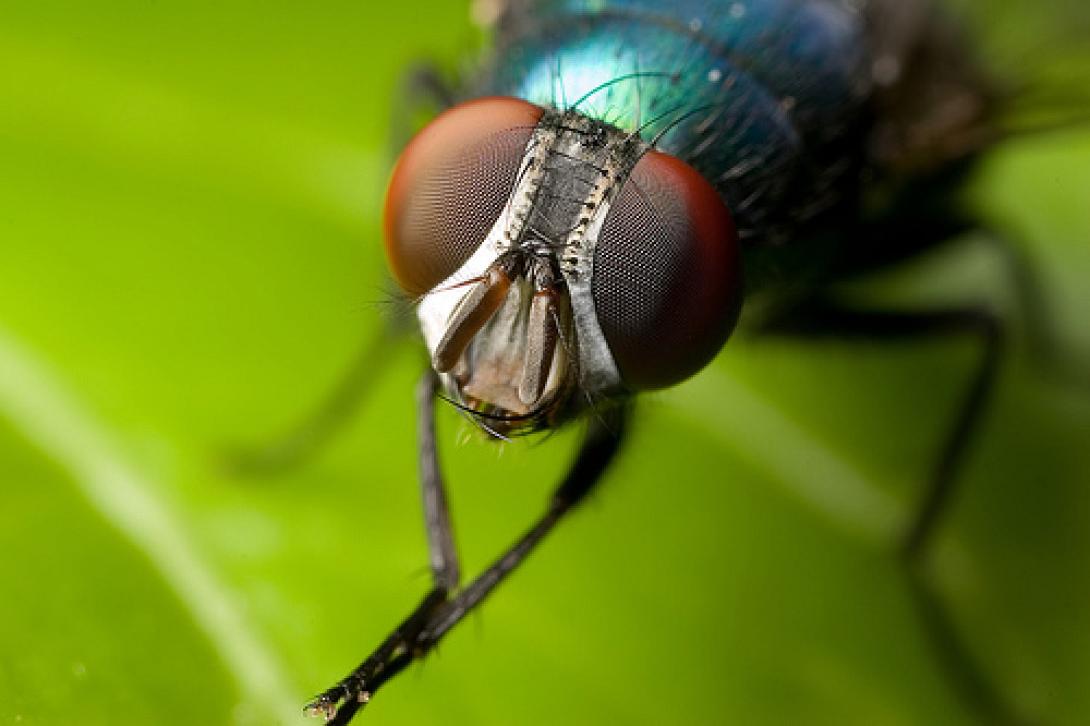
190,257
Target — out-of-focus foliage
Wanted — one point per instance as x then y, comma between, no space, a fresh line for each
189,256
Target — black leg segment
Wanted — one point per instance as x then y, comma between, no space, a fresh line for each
824,318
445,606
306,437
442,555
600,444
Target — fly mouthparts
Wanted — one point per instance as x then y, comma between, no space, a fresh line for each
471,314
541,337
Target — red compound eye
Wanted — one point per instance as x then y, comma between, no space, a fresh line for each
450,185
667,285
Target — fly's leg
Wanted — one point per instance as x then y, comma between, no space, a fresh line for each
424,92
442,555
306,437
341,701
443,607
1043,341
600,444
822,318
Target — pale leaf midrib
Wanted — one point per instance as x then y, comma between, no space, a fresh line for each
37,403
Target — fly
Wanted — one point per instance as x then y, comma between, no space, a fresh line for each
586,221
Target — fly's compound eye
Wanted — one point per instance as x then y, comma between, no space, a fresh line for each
666,283
450,186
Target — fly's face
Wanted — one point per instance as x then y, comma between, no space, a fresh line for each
560,262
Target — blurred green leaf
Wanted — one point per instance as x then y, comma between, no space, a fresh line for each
190,257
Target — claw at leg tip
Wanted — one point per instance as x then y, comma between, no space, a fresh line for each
322,707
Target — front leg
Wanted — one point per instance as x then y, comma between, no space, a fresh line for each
442,608
342,700
339,703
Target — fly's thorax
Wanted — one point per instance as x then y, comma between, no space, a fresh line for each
514,331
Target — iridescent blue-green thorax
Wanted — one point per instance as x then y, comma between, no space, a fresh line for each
762,98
